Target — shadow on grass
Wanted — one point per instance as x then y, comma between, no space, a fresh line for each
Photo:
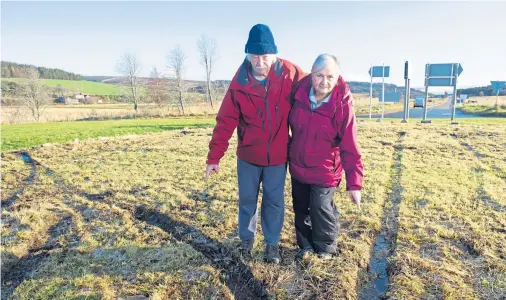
29,180
385,244
238,276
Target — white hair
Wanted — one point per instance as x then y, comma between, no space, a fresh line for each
326,61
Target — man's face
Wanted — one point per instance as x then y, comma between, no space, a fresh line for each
261,63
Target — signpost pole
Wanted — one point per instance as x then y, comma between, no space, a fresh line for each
382,93
370,94
407,101
497,86
406,93
454,100
424,120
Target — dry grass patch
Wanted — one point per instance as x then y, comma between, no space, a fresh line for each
139,220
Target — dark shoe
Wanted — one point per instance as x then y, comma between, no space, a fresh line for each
303,253
272,254
245,248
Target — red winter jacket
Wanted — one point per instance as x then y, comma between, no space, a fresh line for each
260,114
324,141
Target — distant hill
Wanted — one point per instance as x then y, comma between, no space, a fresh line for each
143,80
475,91
15,70
364,87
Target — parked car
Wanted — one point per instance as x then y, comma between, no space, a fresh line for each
418,102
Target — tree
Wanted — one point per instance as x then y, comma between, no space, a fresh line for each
35,94
207,50
59,91
157,91
130,68
176,60
11,69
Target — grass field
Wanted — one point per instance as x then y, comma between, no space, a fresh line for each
131,216
83,86
484,110
29,135
485,106
66,113
362,103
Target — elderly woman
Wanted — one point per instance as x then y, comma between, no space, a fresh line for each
324,142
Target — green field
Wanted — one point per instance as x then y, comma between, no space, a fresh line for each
484,110
130,216
83,86
28,135
15,137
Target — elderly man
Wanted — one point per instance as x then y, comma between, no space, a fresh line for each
257,103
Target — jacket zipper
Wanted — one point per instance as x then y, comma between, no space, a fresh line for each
280,93
261,117
269,121
276,111
305,139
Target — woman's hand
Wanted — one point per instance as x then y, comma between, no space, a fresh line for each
356,197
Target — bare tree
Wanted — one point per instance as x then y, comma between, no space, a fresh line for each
35,94
207,50
176,60
157,91
130,67
59,91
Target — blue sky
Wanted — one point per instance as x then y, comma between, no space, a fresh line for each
89,37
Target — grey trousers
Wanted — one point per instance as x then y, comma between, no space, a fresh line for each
273,205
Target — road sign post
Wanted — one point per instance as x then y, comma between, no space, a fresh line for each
497,86
424,120
370,96
409,96
442,75
454,100
392,97
406,92
379,71
382,93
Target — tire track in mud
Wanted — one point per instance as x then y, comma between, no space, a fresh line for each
28,181
239,277
17,272
481,193
385,244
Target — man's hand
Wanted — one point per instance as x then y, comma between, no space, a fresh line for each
356,197
211,169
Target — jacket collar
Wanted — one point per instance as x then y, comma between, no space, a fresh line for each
244,81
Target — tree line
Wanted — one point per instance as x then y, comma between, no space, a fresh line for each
480,91
15,70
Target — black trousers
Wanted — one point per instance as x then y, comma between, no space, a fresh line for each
317,203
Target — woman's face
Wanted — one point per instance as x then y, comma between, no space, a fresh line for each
324,81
